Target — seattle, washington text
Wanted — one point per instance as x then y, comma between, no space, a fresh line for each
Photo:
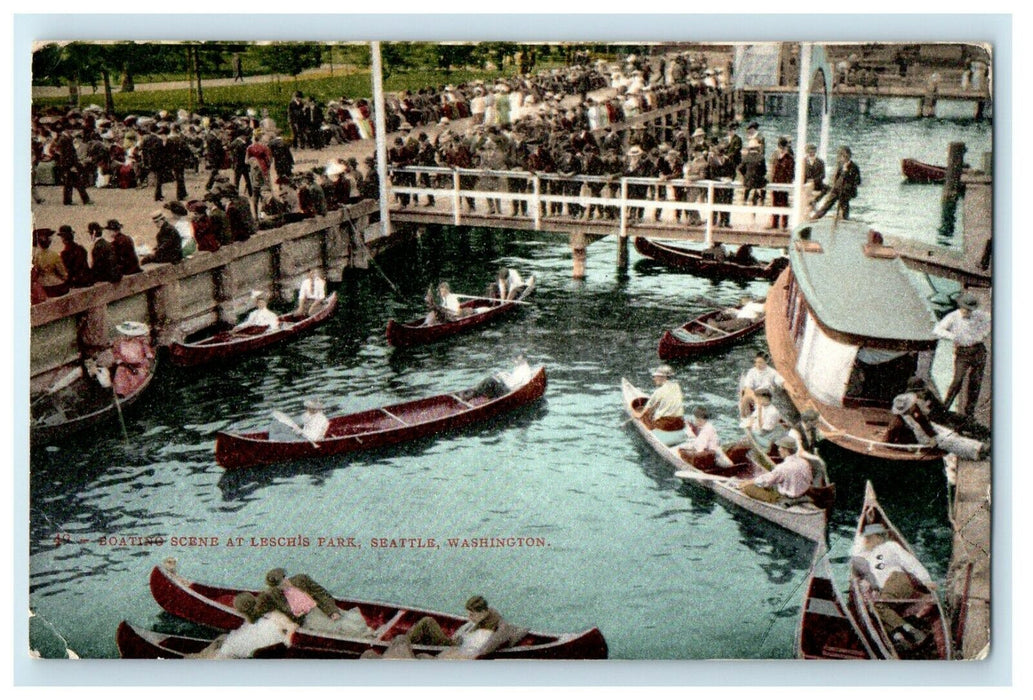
326,542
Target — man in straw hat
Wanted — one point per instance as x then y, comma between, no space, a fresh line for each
967,327
664,412
170,244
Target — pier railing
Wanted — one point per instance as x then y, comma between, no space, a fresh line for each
626,200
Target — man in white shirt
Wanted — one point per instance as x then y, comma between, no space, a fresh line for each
504,382
760,376
311,293
967,327
789,479
889,568
314,423
765,423
447,308
261,316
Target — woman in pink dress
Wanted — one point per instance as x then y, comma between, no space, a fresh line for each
133,357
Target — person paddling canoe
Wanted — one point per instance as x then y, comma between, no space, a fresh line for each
664,412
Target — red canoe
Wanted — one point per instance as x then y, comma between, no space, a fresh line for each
923,612
213,606
693,261
917,171
690,340
378,427
416,332
232,344
827,629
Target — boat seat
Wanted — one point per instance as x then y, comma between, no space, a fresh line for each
830,651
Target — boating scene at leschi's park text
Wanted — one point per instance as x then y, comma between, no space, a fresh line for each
510,350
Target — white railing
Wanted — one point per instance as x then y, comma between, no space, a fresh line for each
540,191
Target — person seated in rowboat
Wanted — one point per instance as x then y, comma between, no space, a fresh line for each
129,358
446,308
257,632
261,316
703,444
484,633
664,412
760,376
502,383
312,425
716,252
911,423
744,255
894,572
310,605
508,285
311,293
765,424
806,434
735,318
791,478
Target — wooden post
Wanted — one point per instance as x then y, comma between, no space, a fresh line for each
279,291
93,329
951,187
225,290
579,252
162,302
622,256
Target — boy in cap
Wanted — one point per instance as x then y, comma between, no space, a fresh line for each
791,478
967,327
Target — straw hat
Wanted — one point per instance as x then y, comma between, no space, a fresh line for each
132,328
662,371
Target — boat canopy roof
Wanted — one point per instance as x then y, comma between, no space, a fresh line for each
853,292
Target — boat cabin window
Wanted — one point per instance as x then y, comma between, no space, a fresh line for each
879,375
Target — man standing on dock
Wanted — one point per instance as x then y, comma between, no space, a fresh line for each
967,327
844,185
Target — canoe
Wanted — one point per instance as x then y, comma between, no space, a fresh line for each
689,340
417,332
82,404
923,612
917,171
213,606
378,427
136,643
231,344
693,261
805,519
827,629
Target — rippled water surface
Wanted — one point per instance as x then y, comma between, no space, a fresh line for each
664,569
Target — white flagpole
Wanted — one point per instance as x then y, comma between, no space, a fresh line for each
381,137
801,131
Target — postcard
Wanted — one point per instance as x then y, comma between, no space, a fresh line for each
511,350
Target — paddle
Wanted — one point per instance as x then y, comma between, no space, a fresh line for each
503,301
289,422
118,409
701,476
60,384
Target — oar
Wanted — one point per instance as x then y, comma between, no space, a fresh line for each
701,476
289,422
501,301
369,256
713,328
118,409
60,384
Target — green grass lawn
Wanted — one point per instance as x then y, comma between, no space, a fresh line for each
274,96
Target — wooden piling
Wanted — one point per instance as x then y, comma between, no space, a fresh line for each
579,254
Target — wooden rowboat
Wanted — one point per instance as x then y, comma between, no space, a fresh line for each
80,405
923,611
213,606
917,171
803,518
827,630
234,343
691,340
378,427
417,332
693,261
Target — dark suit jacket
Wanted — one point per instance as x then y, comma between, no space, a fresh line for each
170,246
105,263
846,180
125,253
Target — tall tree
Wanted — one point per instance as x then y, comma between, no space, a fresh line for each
290,58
